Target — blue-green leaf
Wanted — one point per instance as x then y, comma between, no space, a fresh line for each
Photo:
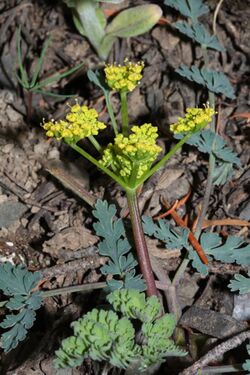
18,282
240,283
214,81
115,245
189,8
198,33
246,364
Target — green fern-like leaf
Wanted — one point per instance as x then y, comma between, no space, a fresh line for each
188,8
18,282
133,304
175,238
246,364
100,335
199,34
208,142
240,283
214,81
116,246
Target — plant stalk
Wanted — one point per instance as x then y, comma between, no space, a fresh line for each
95,143
111,113
124,113
140,243
90,158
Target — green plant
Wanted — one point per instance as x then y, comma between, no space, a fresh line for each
91,22
34,84
129,159
104,336
17,283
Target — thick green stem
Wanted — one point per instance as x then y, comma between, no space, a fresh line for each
111,113
124,113
95,143
140,243
97,164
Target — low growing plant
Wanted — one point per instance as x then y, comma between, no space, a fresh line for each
91,22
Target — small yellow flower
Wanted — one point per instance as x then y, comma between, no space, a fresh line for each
81,122
195,119
124,78
133,154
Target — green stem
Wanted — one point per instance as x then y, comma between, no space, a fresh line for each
87,156
95,143
140,243
111,113
163,160
124,113
73,289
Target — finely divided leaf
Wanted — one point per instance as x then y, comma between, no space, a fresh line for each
115,246
198,33
229,252
18,282
188,8
209,142
214,81
240,283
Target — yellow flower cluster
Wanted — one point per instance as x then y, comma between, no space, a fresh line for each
195,119
133,155
123,77
81,122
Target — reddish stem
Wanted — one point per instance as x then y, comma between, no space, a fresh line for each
140,243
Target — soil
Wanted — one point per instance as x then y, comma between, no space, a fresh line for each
47,226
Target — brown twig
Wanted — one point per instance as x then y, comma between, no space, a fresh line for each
216,353
192,239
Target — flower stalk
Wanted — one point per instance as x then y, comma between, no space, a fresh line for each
124,113
140,243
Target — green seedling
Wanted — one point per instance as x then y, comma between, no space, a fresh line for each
91,22
35,85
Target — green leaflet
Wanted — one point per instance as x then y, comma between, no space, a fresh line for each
208,142
240,283
115,246
188,8
246,364
18,283
103,336
198,33
233,250
214,81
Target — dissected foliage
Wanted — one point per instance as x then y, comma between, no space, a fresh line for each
102,335
232,250
209,142
214,81
18,283
240,283
115,245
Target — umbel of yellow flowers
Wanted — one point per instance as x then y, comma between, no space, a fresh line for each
124,77
80,123
195,119
132,155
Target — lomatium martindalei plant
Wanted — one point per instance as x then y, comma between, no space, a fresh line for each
130,158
